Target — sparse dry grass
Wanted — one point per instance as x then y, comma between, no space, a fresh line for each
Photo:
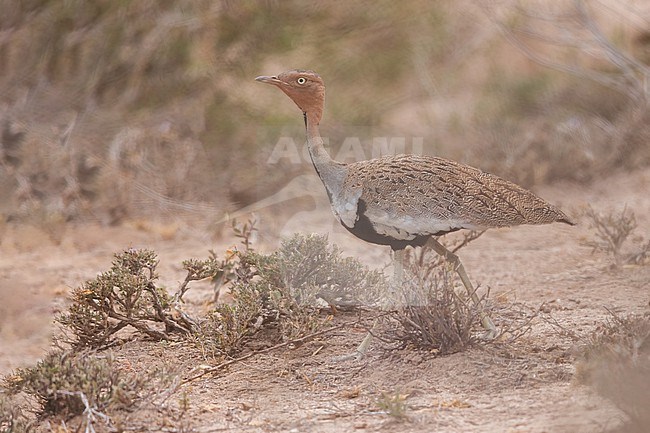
432,314
436,317
615,362
437,314
394,404
612,231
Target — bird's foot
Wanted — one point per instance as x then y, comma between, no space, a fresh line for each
354,356
490,334
491,331
359,352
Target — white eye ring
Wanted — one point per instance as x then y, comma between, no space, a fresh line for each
301,80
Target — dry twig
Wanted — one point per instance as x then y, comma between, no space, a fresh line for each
300,340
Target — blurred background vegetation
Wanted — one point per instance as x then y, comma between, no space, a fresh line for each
112,110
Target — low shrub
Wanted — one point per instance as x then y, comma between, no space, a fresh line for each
615,362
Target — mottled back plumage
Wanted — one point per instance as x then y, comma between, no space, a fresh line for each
420,195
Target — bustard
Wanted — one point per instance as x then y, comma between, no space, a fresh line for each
407,200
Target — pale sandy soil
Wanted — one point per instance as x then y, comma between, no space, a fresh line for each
527,387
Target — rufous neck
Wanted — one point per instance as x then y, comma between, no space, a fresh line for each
311,124
315,142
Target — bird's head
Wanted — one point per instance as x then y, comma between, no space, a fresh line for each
305,88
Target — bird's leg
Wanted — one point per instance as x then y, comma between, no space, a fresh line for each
397,281
460,270
394,288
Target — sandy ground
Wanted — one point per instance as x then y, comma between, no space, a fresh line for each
526,387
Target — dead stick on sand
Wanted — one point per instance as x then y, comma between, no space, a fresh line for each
272,348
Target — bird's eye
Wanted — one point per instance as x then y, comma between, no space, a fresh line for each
301,80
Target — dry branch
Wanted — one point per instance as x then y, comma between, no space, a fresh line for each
295,341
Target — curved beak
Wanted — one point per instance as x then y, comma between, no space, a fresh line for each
269,80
